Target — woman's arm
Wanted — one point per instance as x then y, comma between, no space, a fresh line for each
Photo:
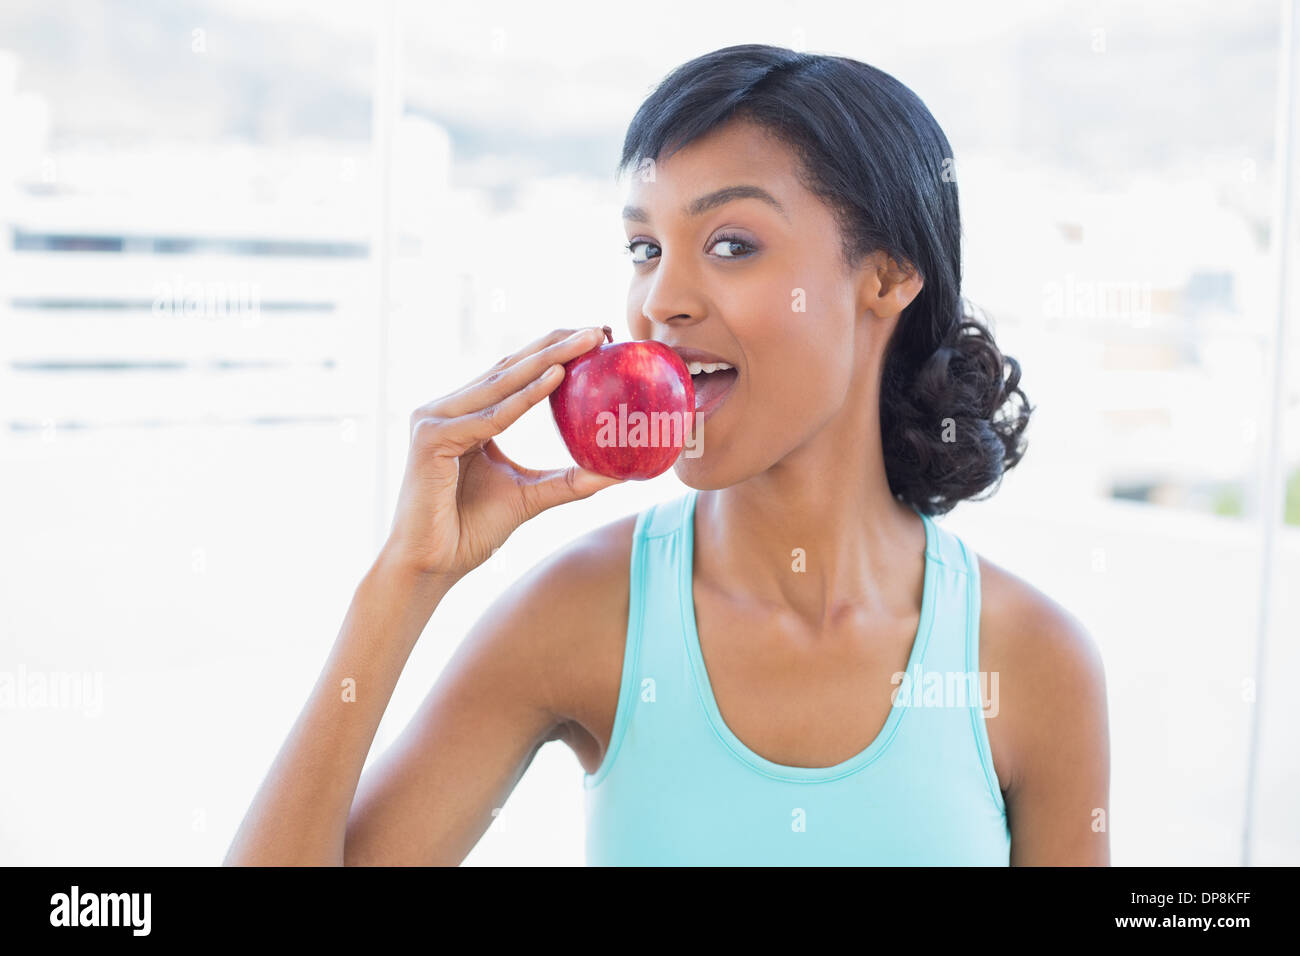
299,813
530,670
1058,804
461,497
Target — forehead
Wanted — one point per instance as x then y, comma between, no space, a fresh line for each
737,153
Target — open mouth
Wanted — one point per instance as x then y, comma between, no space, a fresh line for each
713,381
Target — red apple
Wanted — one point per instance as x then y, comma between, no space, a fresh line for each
625,409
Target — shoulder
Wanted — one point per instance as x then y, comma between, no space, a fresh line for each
573,607
1031,625
589,574
1052,724
1051,676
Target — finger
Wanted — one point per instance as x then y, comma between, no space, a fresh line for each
459,435
443,405
497,385
563,485
550,338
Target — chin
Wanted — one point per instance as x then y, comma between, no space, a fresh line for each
705,473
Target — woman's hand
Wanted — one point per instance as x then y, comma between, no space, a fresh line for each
461,497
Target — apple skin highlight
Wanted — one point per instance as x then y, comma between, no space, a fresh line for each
625,409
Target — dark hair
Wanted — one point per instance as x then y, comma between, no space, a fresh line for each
870,149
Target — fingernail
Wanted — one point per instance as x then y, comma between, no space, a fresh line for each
609,333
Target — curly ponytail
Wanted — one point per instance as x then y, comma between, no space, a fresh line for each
952,424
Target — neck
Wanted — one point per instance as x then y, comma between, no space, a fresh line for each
861,547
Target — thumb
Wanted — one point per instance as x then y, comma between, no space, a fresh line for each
563,485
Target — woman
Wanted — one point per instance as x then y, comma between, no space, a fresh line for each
724,666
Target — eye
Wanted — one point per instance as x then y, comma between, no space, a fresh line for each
632,246
730,243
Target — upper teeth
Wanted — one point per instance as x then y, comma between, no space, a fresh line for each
696,368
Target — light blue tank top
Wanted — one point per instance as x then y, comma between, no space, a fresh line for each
677,787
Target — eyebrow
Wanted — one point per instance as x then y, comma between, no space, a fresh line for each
709,201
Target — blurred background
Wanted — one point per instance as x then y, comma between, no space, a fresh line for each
241,239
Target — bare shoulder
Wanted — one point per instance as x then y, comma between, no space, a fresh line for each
1051,676
1051,733
1028,623
577,602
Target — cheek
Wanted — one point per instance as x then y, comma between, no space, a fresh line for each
800,353
802,385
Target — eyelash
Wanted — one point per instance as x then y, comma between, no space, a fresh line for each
725,237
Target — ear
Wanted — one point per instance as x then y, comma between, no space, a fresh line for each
887,286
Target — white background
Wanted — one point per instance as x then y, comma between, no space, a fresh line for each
187,530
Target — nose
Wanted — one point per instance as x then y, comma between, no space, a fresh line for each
670,298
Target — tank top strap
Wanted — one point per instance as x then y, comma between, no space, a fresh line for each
655,581
953,672
654,711
945,547
959,585
665,517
